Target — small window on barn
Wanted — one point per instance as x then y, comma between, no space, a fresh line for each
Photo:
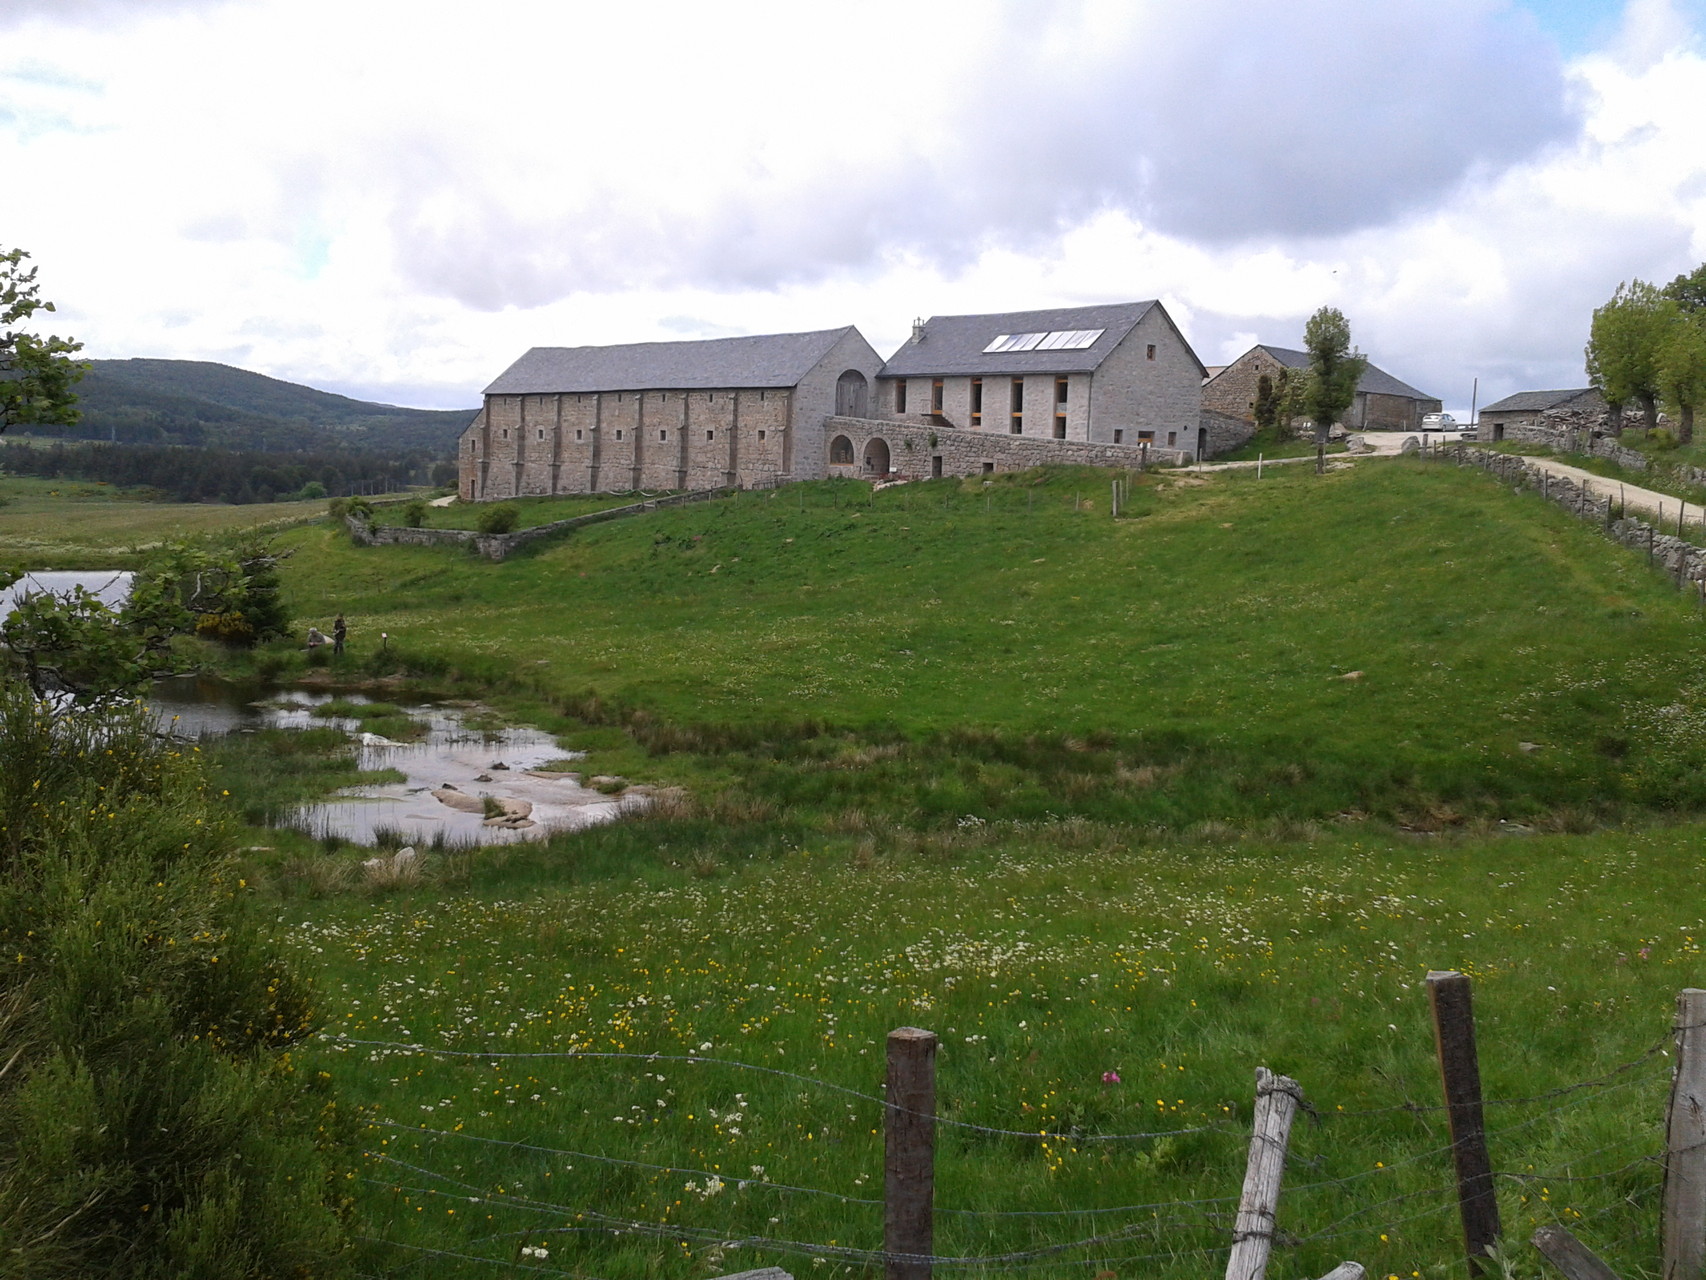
618,433
1152,351
1060,390
663,435
577,433
1172,438
988,467
1119,436
541,433
506,433
900,395
761,434
710,435
1016,405
977,402
1060,426
936,396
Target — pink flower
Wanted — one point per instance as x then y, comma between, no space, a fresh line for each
1110,1077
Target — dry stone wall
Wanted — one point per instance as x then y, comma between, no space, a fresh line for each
495,546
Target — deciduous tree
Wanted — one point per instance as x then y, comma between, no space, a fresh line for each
1623,348
1682,370
1335,368
36,373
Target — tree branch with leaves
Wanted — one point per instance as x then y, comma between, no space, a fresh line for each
1335,368
36,373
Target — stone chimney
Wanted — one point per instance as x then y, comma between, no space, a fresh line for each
918,329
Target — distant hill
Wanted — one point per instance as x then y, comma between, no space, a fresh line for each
197,402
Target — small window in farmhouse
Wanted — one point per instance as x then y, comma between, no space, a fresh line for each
541,433
663,435
710,435
936,396
988,467
977,402
1172,438
618,433
1060,426
1016,403
1060,390
761,434
900,395
506,433
577,433
1119,436
1152,351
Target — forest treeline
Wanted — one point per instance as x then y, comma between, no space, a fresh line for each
185,474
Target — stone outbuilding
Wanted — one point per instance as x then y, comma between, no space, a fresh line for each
1382,403
1116,374
1548,411
745,411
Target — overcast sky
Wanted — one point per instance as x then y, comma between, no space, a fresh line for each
395,198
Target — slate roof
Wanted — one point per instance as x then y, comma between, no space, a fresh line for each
1532,401
954,344
760,360
1374,381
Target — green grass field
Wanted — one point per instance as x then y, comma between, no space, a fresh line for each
75,524
1208,787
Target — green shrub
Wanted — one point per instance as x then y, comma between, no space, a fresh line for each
501,518
338,508
1662,438
415,514
312,490
152,1122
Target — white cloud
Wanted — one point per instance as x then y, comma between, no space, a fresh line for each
372,194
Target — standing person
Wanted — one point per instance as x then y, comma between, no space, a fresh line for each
339,632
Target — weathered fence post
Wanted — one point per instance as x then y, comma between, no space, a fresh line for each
1684,1227
909,1155
1570,1255
1460,1076
1114,501
1277,1098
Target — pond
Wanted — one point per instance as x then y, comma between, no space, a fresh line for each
109,586
447,774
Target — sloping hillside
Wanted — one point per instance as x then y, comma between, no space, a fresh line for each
197,402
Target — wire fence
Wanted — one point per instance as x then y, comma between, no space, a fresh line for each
1353,1208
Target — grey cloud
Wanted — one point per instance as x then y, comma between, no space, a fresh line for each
1217,121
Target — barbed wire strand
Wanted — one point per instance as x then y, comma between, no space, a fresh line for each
1044,1134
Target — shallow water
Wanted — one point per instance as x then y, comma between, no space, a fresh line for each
477,762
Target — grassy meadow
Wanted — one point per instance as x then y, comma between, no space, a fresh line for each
1120,808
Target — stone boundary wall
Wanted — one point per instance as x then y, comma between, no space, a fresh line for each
1683,561
495,546
1577,437
970,453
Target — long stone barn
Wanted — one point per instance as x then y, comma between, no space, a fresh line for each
1114,385
664,415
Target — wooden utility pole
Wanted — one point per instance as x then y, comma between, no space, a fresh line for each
1460,1076
909,1155
1684,1227
1277,1099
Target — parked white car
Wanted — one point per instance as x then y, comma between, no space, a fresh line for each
1438,422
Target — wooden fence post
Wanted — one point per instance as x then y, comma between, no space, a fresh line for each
1253,1231
1460,1076
1570,1255
1684,1227
909,1154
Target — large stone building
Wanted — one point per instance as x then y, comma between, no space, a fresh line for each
1115,374
665,415
1383,403
1112,385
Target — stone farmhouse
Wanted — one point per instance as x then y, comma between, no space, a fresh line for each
1518,417
1113,385
1382,403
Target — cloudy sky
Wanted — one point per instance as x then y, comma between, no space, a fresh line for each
394,198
